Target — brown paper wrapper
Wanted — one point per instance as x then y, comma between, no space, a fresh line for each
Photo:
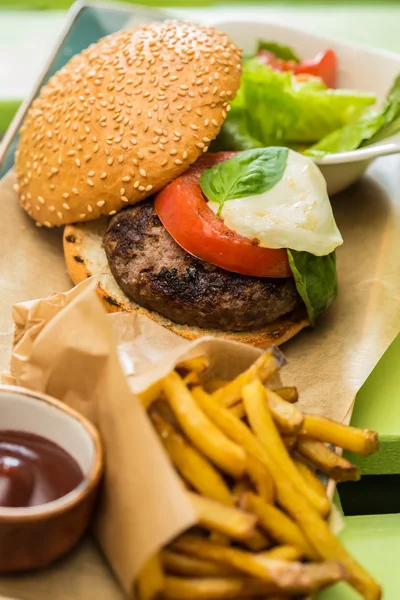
68,347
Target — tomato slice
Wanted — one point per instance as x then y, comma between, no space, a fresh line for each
185,214
324,65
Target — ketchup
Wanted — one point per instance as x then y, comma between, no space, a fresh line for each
34,470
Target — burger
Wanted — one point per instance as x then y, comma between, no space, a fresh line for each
116,150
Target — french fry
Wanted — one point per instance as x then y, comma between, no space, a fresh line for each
293,501
212,515
290,441
224,453
219,538
215,384
290,394
150,583
179,588
284,553
318,533
238,410
192,378
359,441
257,541
310,477
278,526
241,434
296,504
198,364
282,575
261,479
181,564
327,461
259,415
241,487
150,395
193,467
263,368
288,417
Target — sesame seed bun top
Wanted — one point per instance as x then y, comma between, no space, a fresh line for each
123,118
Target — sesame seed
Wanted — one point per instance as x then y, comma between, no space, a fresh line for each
95,148
177,161
54,170
112,212
77,162
205,148
75,191
87,157
66,206
141,188
121,158
193,126
173,152
124,199
52,208
71,153
185,155
136,184
214,122
59,215
103,175
143,173
100,203
110,161
140,155
91,173
82,216
90,182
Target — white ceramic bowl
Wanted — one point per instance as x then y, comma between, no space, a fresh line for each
35,536
360,68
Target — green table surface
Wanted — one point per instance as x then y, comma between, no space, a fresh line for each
375,542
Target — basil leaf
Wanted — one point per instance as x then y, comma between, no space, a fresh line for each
278,50
248,173
316,281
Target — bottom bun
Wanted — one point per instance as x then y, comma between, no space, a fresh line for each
85,257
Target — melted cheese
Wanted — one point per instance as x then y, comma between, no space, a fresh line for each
296,213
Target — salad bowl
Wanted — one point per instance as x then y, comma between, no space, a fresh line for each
359,68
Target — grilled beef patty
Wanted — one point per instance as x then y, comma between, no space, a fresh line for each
154,271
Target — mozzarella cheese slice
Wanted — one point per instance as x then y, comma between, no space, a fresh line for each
296,213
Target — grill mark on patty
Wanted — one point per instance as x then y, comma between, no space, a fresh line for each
154,271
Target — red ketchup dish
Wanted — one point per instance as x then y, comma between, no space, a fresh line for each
51,462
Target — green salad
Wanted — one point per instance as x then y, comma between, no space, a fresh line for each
283,101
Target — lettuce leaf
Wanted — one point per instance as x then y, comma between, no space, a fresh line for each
277,110
316,281
368,129
278,50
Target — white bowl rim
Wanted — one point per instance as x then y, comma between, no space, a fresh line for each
89,482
